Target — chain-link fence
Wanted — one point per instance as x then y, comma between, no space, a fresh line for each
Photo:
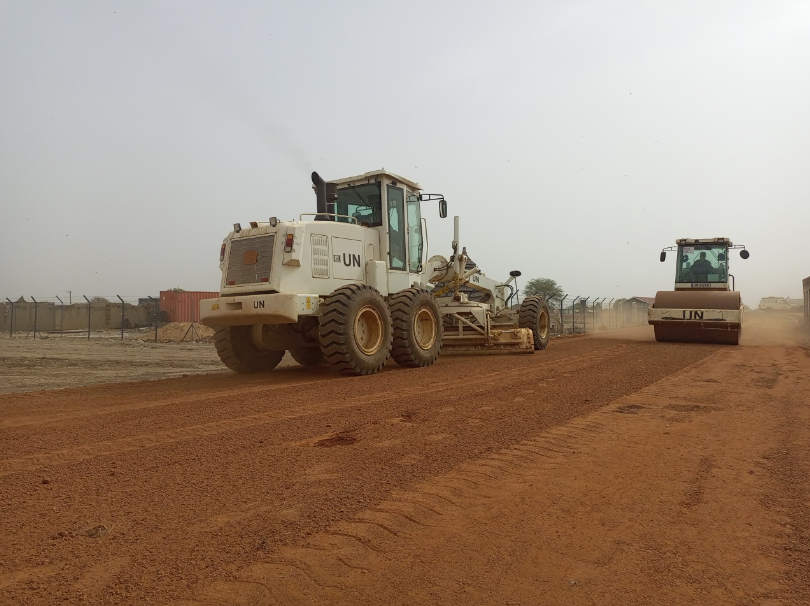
88,316
585,314
98,315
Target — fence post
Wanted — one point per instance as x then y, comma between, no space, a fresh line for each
36,309
122,316
562,305
11,319
602,310
157,313
584,316
609,304
89,309
574,315
61,316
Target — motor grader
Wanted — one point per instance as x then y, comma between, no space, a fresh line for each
353,286
702,308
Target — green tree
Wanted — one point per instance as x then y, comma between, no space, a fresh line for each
545,287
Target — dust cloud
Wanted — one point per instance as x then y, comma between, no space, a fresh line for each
760,329
774,329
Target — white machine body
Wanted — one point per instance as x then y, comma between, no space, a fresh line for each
277,272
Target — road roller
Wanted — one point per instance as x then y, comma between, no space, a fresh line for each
704,307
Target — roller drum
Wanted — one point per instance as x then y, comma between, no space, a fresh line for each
697,299
679,332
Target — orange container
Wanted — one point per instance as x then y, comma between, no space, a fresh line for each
183,306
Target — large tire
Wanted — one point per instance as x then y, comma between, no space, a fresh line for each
355,330
308,356
534,315
238,352
417,328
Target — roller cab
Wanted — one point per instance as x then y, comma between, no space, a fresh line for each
704,307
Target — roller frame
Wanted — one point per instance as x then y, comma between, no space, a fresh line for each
706,318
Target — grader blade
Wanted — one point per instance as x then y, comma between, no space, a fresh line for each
512,340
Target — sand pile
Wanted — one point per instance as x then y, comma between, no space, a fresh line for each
175,331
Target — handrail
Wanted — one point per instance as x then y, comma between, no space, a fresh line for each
426,254
327,215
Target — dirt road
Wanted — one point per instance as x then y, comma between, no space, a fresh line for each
602,471
53,363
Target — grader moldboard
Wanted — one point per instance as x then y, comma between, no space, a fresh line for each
354,286
702,308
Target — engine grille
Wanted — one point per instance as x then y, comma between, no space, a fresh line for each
241,266
320,256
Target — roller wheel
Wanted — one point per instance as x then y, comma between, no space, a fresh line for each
355,330
534,315
308,356
417,328
238,352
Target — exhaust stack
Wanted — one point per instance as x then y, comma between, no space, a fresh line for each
326,195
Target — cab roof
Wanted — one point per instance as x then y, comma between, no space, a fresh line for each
374,175
690,241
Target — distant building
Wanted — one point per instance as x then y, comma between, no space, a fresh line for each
779,303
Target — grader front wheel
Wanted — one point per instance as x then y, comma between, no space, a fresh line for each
355,330
417,328
535,316
237,350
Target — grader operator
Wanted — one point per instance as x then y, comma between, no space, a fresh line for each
703,308
355,286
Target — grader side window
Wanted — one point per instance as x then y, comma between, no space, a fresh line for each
362,202
396,228
415,243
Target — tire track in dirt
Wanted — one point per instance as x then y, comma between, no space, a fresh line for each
49,418
229,395
356,560
131,443
198,510
342,557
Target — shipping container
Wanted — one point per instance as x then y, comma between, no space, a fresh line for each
183,305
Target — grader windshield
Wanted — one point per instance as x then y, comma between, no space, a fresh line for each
702,263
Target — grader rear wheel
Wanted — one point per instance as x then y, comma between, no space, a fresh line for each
238,351
535,316
417,328
355,330
308,356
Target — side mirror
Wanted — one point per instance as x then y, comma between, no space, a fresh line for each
685,258
744,253
721,257
442,208
514,273
663,256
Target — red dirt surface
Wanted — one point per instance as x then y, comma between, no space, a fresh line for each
601,471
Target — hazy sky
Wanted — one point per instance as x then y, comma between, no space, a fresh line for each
575,139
